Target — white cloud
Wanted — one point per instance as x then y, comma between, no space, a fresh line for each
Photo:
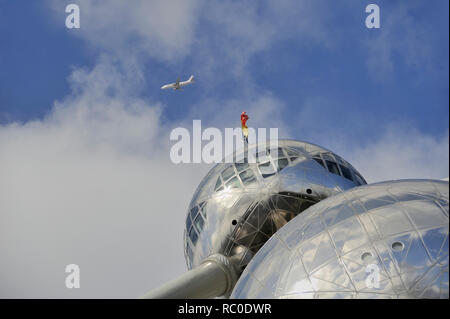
402,153
159,29
216,35
92,184
401,39
379,150
234,32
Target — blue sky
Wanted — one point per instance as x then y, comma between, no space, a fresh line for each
38,54
84,126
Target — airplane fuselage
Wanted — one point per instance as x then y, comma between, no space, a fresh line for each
177,85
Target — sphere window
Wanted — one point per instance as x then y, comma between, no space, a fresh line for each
262,157
233,183
198,222
241,166
247,177
328,157
281,163
346,172
290,152
339,159
266,169
218,184
359,179
203,209
332,167
188,222
275,152
319,160
194,212
227,173
193,235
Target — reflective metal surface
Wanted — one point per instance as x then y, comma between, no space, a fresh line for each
213,278
238,206
384,240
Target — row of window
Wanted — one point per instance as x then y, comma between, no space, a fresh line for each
270,162
336,165
195,221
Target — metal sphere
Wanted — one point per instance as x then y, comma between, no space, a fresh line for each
385,240
238,206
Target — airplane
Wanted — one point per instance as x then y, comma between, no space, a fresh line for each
177,85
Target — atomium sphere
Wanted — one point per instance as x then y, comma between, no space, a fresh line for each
384,240
239,205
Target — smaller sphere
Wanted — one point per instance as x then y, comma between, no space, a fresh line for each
239,204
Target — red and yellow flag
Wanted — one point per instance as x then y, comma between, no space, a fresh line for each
244,118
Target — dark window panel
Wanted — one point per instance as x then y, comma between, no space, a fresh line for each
218,183
262,157
290,152
346,172
319,160
332,167
203,209
198,222
241,166
339,159
247,177
266,169
359,178
276,152
233,183
188,223
306,205
194,212
328,157
227,173
281,163
193,236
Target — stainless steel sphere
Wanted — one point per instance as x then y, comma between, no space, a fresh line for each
238,206
385,240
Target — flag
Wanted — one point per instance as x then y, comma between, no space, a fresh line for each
244,118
